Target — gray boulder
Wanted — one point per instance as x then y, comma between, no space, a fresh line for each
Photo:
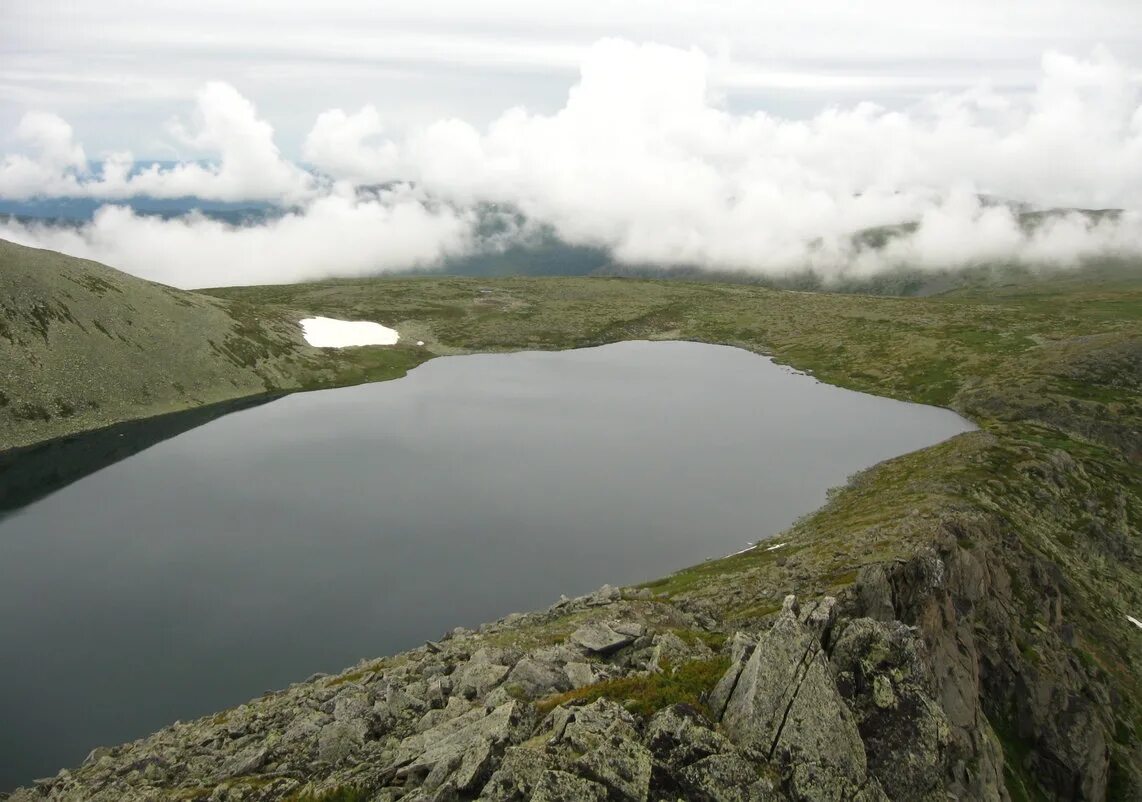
679,735
579,674
340,740
459,744
584,728
480,676
722,778
604,595
535,678
600,638
517,775
559,786
621,764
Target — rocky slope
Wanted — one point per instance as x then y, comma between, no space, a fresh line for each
877,693
826,703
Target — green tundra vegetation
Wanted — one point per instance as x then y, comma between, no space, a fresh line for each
1036,516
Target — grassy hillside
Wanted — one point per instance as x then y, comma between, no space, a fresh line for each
84,346
950,350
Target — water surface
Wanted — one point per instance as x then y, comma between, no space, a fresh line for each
307,533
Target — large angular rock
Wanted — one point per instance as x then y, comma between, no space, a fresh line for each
243,763
579,674
478,677
601,638
340,740
460,739
881,671
785,709
741,647
517,775
534,678
398,701
584,728
604,595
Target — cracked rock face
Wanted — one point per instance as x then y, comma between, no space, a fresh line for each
785,708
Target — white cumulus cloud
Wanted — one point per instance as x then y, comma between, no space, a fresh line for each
345,147
247,163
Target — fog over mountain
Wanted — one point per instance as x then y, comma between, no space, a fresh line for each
644,160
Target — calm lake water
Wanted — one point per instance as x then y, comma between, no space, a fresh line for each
322,528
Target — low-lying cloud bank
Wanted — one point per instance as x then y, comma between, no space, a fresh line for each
640,160
335,235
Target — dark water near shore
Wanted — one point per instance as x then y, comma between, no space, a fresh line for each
307,533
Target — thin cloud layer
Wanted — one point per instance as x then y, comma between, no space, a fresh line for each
338,234
644,161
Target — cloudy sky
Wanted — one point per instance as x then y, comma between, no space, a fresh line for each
732,135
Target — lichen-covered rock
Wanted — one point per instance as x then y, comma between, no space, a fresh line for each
881,672
579,674
680,735
340,740
585,727
560,786
517,775
620,763
723,778
482,673
464,737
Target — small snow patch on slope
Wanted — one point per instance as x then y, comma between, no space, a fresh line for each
326,332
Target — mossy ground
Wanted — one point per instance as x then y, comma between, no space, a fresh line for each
687,683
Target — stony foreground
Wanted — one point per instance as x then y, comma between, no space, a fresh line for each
613,696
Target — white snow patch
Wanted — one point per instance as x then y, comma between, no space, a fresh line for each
1134,621
779,545
327,332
